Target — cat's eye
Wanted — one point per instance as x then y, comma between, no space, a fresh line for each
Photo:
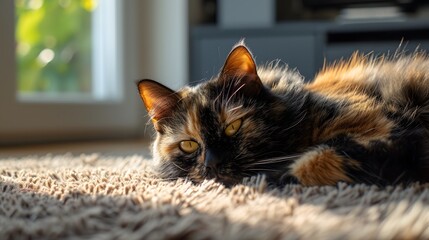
188,146
233,128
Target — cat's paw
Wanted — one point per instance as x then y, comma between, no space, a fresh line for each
320,166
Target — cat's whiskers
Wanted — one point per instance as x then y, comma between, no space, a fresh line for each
263,154
235,108
297,122
264,169
178,166
219,96
148,123
399,178
169,179
244,156
258,158
372,174
228,90
273,161
364,171
233,94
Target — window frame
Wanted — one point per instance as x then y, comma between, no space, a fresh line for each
67,119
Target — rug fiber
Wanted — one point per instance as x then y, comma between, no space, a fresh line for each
99,197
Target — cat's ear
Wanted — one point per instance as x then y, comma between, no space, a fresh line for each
158,99
239,65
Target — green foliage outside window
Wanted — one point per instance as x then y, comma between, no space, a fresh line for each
54,45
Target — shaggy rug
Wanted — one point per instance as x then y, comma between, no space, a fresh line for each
99,197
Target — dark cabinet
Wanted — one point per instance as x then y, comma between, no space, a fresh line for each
304,46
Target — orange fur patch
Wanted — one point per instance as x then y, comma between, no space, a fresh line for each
345,80
352,83
364,125
167,149
321,166
193,127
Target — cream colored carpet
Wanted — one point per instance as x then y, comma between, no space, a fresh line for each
93,197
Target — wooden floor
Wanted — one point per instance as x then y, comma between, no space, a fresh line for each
113,148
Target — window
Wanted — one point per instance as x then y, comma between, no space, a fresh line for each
129,39
60,50
54,46
63,66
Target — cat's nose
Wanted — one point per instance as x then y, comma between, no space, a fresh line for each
212,161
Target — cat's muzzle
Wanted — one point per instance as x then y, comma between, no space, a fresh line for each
220,176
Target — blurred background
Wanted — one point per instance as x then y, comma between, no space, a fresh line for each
69,67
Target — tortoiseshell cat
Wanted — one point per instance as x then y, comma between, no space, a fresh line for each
364,120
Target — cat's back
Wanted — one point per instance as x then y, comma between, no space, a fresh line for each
382,77
280,79
396,79
396,86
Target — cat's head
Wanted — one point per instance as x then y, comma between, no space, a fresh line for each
218,129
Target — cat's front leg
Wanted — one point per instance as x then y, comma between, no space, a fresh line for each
322,165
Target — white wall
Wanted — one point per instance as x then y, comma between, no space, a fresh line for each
164,41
